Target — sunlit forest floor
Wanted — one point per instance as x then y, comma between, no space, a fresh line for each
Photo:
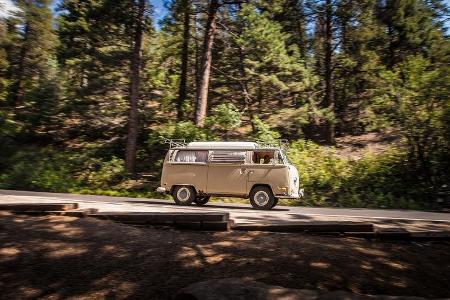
56,257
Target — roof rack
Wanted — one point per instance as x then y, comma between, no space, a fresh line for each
181,143
175,143
280,143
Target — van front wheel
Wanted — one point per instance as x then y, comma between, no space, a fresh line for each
261,197
184,195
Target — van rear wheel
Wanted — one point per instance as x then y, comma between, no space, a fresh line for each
200,201
183,195
261,197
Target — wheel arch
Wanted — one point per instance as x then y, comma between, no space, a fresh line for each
185,184
260,184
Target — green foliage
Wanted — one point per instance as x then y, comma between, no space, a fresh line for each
272,70
322,172
383,180
413,99
180,130
38,169
263,132
225,117
64,91
101,174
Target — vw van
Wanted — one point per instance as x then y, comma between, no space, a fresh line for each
193,172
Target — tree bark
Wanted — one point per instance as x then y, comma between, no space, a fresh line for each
17,89
182,90
133,121
205,67
329,92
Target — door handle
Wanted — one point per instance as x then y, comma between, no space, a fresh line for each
243,171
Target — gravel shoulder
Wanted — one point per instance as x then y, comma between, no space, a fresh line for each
54,257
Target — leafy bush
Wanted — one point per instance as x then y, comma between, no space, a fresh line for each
382,180
102,174
225,117
42,170
263,132
322,171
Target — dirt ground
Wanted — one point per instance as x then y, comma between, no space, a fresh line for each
55,257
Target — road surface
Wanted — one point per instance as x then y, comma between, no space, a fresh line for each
243,213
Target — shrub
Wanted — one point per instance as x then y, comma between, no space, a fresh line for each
383,180
263,132
42,170
225,117
321,170
98,173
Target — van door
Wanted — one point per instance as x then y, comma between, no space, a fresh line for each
266,168
226,173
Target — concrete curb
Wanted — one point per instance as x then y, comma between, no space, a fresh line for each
191,221
17,207
79,213
403,235
308,227
156,217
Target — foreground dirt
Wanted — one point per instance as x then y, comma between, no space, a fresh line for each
62,257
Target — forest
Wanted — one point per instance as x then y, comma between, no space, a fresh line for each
90,89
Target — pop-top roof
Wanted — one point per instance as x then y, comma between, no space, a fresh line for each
181,144
222,145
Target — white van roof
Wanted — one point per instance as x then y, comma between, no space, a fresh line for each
222,145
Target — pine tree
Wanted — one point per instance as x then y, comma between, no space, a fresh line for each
205,63
4,63
30,50
410,27
135,68
176,42
272,72
95,55
291,15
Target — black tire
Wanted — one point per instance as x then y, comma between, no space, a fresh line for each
202,200
261,197
275,203
184,195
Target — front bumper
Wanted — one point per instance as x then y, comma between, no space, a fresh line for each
161,189
301,193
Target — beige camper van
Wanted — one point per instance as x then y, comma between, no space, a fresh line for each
193,172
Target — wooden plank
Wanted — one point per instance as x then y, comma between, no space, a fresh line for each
155,217
38,206
307,226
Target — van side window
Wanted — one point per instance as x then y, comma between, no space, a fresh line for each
264,157
230,156
192,156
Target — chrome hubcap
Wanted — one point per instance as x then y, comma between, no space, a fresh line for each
261,198
183,194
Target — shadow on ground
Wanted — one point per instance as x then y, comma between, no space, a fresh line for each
209,205
61,257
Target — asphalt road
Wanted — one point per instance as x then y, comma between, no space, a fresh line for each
243,213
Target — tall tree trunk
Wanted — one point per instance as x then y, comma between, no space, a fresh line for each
133,121
17,89
329,92
205,64
182,90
